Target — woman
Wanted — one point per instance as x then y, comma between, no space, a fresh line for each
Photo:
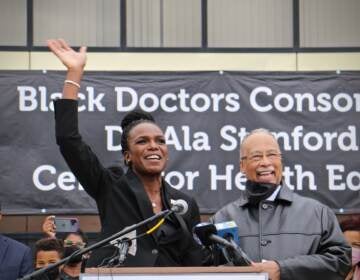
351,230
137,194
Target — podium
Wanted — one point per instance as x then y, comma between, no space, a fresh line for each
174,273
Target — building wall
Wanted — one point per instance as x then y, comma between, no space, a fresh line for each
188,61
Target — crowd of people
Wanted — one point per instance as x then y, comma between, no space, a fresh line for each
284,234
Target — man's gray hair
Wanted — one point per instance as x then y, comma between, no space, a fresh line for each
256,131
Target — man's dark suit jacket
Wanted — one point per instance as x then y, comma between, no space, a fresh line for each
15,259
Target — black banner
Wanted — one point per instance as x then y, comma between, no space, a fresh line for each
204,115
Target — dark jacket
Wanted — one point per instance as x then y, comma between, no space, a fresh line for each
122,201
15,259
301,234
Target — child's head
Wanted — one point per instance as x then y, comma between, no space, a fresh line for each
48,251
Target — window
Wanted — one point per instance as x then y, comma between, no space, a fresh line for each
250,23
94,23
329,23
13,23
163,23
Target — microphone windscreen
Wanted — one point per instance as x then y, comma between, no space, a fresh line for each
203,231
228,230
179,206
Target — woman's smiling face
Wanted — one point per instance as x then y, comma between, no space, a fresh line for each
147,150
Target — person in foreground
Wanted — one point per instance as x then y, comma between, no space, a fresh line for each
351,230
15,258
124,200
285,234
48,251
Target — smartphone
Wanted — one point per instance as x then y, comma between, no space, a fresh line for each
66,224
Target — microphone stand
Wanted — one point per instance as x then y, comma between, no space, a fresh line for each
96,245
236,255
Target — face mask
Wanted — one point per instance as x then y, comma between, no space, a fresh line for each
69,251
52,274
257,192
355,255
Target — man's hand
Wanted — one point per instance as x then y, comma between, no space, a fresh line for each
49,227
271,267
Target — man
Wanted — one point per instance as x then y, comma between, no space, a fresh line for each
15,258
285,234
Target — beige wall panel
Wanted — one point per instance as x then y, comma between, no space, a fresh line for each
188,61
174,61
328,61
44,61
14,61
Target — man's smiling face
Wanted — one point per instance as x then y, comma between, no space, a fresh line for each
261,159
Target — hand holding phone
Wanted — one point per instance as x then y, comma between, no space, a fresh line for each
48,226
64,224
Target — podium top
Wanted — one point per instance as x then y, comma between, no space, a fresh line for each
175,273
172,270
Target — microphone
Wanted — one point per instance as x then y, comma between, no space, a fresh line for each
123,245
179,206
228,230
124,249
132,236
207,233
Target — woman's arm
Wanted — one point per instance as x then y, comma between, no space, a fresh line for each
78,155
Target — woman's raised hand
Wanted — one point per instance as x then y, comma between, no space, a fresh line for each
74,61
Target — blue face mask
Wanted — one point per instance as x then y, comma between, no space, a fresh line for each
257,192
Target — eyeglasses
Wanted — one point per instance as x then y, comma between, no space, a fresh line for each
257,157
68,243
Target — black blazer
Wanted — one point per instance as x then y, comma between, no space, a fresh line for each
15,259
122,201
